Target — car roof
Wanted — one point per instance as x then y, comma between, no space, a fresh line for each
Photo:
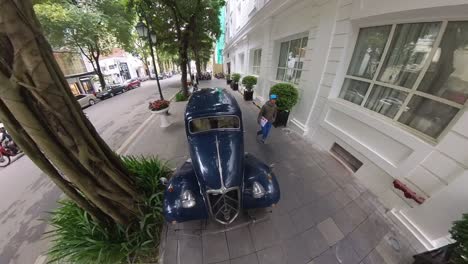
211,101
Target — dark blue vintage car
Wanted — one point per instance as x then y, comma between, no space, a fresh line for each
220,179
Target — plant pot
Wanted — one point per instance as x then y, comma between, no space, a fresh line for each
228,81
163,114
281,118
234,86
248,95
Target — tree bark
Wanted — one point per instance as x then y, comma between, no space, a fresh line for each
37,106
197,62
102,81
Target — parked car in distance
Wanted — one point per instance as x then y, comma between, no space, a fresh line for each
132,84
110,91
144,78
86,100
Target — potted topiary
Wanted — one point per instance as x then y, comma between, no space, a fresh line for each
160,107
249,82
287,98
235,77
456,253
228,79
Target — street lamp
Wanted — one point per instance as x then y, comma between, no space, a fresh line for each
144,32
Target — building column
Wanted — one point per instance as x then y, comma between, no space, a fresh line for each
266,63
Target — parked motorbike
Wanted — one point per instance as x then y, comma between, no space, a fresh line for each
204,76
6,152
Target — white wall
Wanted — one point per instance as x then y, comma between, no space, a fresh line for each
433,169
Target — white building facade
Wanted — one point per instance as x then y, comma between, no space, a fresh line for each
387,81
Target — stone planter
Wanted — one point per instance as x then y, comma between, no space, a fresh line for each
281,118
234,86
248,95
163,114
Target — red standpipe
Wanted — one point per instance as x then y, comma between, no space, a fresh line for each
410,194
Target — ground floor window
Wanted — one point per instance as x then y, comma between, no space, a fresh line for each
291,60
416,73
257,57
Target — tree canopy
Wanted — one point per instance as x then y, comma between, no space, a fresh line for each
93,27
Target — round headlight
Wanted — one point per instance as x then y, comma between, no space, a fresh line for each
257,190
188,199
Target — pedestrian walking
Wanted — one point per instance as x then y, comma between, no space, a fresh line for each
266,117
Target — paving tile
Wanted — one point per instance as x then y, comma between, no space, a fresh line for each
223,262
296,250
351,191
327,257
170,251
239,242
325,186
395,250
264,234
368,234
283,225
345,253
249,259
341,197
215,248
374,258
330,231
190,251
272,255
304,218
315,242
366,202
349,217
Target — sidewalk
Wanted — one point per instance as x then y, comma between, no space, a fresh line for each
324,215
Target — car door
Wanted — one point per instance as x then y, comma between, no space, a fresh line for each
81,98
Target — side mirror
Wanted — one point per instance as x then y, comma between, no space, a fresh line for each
163,181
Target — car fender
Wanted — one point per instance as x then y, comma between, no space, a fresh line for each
183,179
255,170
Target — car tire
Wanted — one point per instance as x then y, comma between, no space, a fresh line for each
112,95
92,102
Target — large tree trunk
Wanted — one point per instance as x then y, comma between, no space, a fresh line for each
37,106
183,54
197,62
102,81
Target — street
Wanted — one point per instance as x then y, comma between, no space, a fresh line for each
27,194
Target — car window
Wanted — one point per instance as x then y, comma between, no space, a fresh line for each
79,96
214,123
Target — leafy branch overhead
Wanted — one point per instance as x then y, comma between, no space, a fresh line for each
92,27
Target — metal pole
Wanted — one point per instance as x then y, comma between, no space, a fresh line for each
154,62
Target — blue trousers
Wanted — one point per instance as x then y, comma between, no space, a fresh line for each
265,130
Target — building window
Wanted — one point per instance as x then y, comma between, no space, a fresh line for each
291,60
111,67
414,74
257,58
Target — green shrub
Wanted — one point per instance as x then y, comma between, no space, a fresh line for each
180,97
77,238
249,82
236,77
287,95
228,76
459,232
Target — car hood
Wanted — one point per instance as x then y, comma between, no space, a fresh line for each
217,158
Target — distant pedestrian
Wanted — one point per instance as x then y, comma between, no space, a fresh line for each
267,116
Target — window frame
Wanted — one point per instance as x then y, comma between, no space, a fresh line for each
411,91
301,59
255,69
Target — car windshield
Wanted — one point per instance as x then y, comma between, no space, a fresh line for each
214,123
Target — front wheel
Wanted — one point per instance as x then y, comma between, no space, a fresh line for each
112,95
92,102
4,161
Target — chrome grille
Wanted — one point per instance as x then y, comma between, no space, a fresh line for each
224,204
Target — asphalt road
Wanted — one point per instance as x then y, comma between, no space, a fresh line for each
26,194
